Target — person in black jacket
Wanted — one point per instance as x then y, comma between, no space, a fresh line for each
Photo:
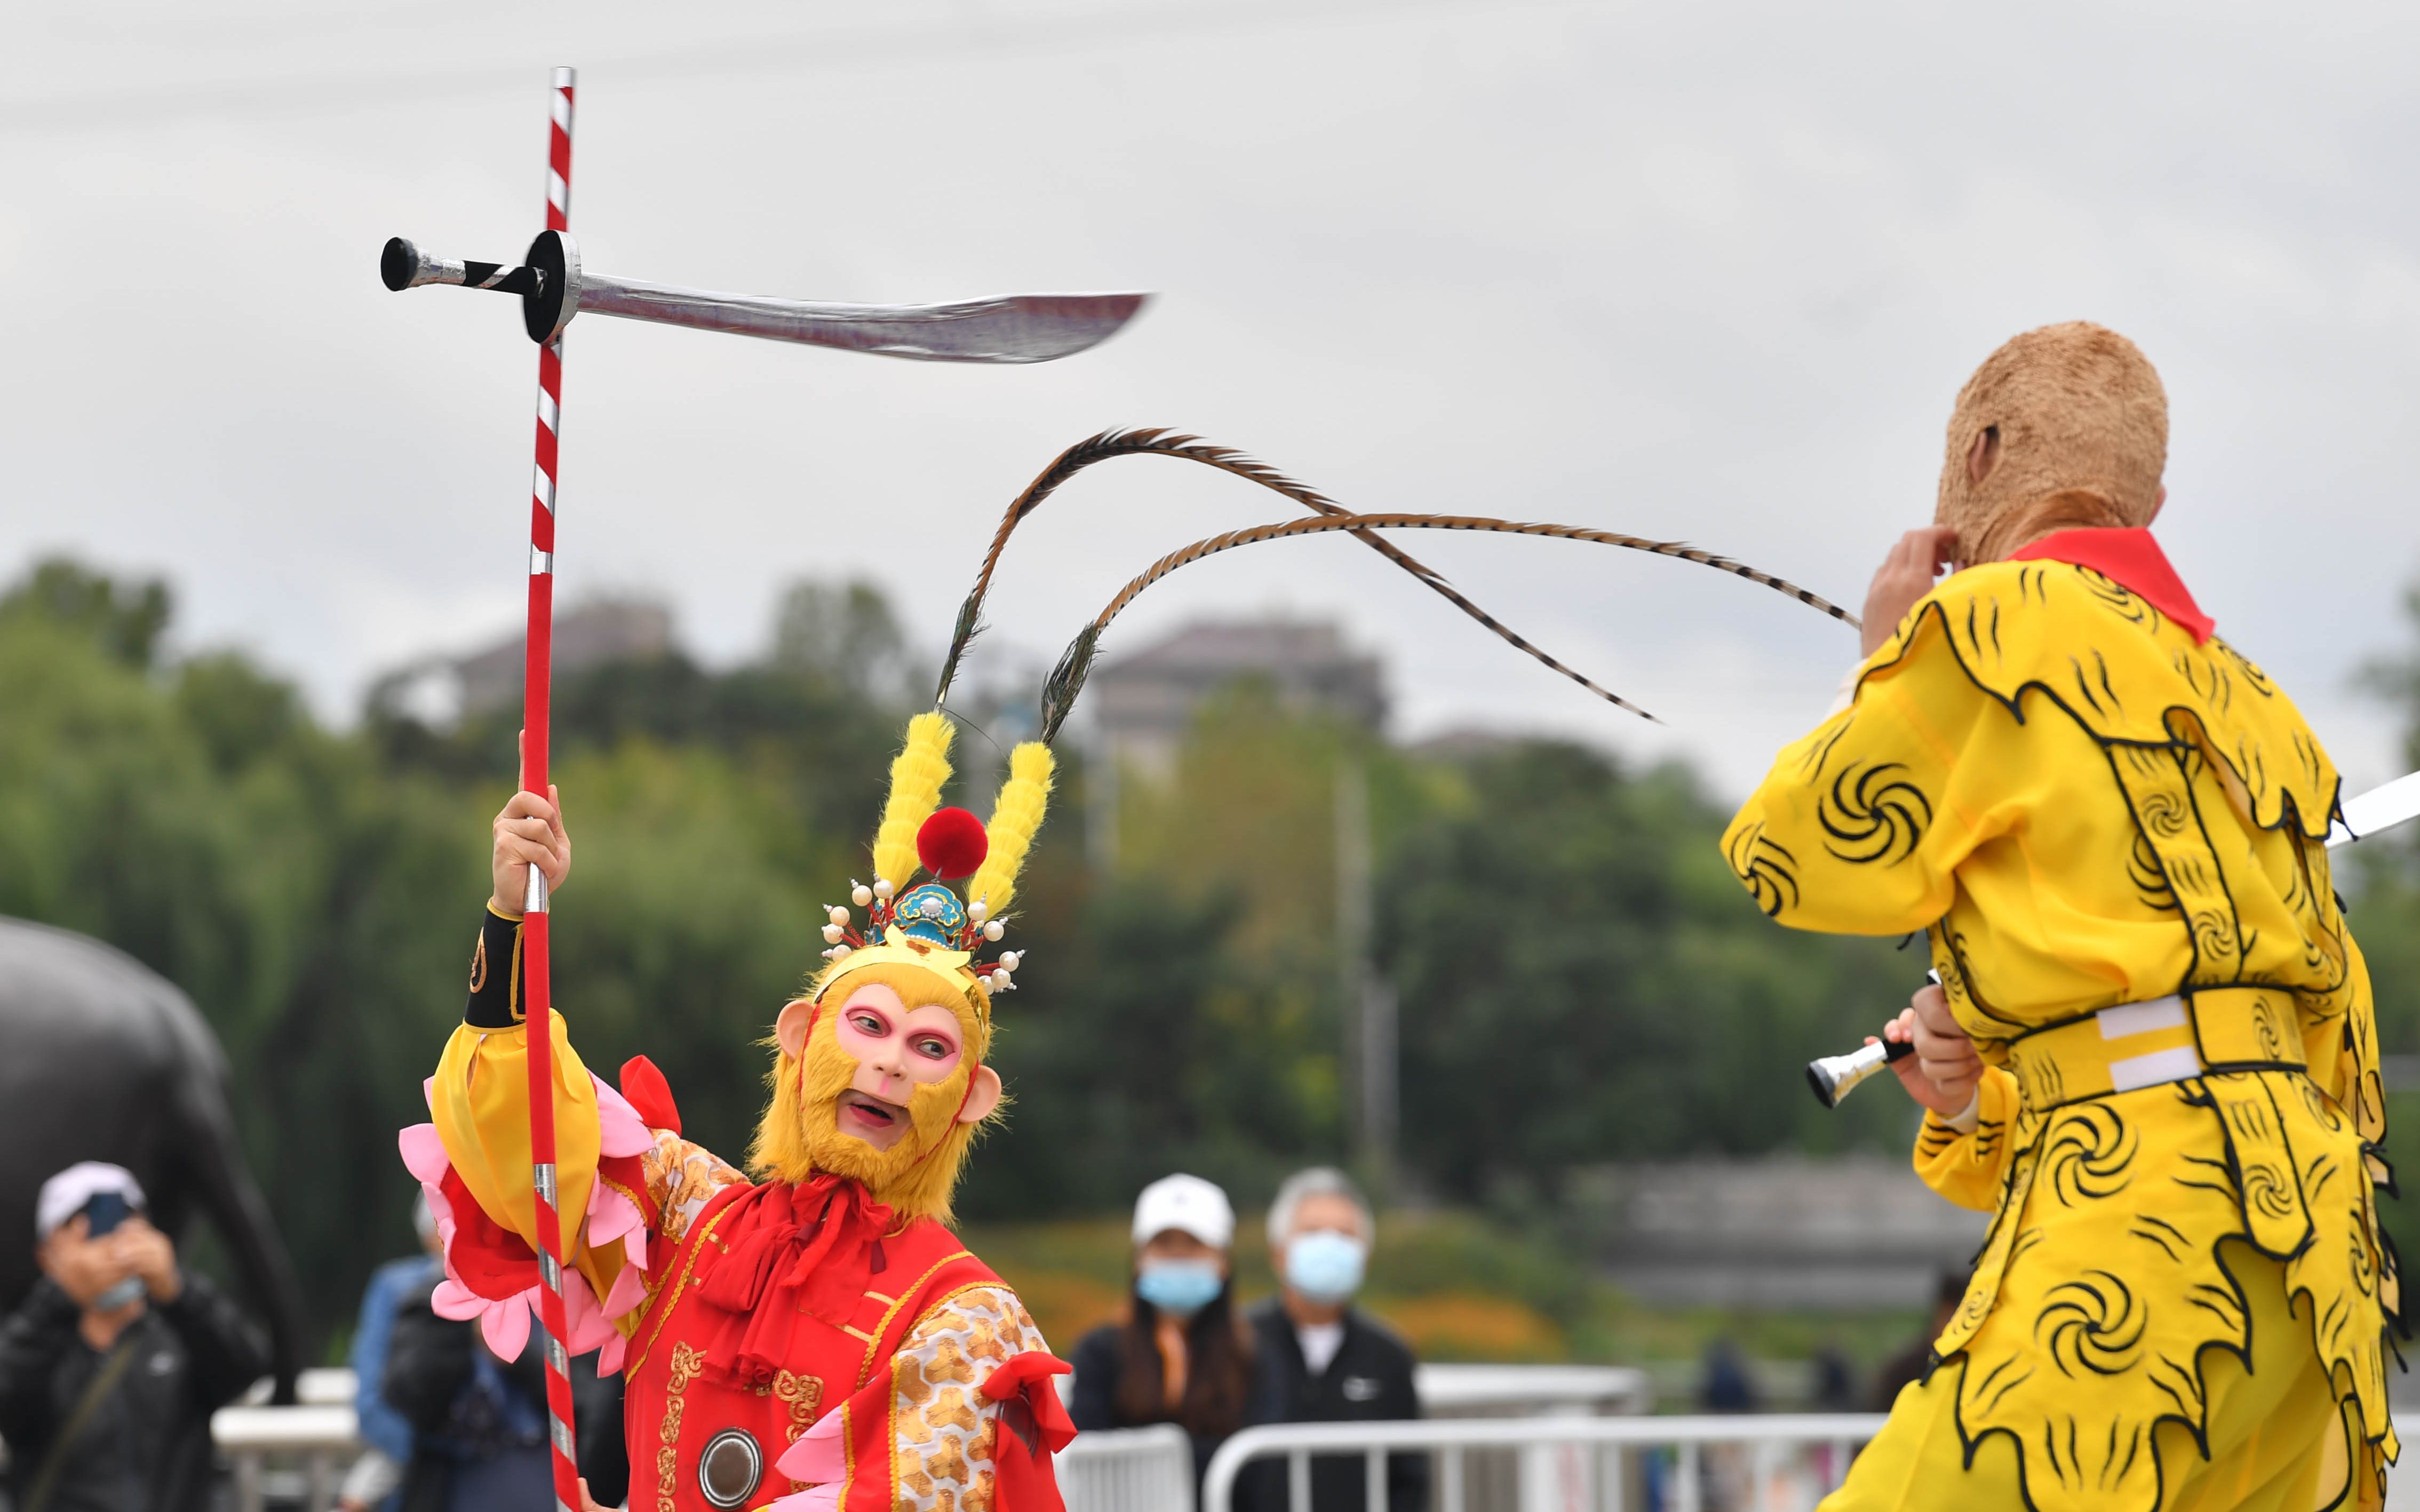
110,1370
1181,1356
1319,1359
479,1424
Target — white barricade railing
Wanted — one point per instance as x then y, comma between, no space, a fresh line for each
1123,1469
1151,1470
1127,1470
321,1437
1597,1447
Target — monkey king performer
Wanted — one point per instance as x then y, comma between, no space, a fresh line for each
2151,1054
814,1337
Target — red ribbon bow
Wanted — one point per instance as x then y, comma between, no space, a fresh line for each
808,1249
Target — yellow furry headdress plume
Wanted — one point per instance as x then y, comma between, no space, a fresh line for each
917,774
1016,817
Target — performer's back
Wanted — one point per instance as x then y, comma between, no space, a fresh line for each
2111,826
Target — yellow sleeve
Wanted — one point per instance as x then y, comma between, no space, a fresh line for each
1859,827
1966,1168
479,1099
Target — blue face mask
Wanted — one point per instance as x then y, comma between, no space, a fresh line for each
1326,1266
1183,1288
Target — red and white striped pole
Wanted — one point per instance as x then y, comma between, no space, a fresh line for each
536,673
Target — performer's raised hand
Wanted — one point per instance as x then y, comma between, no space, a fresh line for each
1905,576
1943,1072
529,830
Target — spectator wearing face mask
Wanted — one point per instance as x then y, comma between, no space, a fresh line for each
1321,1360
1180,1356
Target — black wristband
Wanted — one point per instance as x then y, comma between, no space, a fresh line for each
496,974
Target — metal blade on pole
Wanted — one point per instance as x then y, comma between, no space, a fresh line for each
553,287
1015,328
537,671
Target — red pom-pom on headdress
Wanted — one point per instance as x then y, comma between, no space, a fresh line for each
952,843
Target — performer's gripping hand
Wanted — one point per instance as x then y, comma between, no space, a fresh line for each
588,1502
1905,576
1943,1072
529,832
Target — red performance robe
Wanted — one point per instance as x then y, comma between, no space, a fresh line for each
782,1342
791,1306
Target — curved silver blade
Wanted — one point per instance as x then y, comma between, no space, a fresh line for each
2383,806
1015,328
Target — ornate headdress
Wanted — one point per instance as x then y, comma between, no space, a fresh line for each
929,926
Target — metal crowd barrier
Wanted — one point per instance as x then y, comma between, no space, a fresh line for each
297,1456
320,1437
1605,1461
1127,1470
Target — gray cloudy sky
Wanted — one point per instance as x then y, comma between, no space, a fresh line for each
1704,271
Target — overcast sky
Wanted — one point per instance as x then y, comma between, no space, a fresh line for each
1713,271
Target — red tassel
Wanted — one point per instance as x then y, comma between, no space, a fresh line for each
1035,1427
644,1088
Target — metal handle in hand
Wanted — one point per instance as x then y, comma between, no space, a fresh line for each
1834,1077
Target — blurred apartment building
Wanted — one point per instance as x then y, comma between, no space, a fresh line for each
1144,703
441,690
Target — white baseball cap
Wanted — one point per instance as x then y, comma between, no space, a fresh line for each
1189,1205
65,1195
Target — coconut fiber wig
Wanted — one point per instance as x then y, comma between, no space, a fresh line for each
2065,426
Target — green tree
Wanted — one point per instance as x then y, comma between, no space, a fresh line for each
193,817
1581,979
2395,678
124,620
1580,976
845,634
2381,879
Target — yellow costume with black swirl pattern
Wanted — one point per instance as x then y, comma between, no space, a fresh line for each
2186,1290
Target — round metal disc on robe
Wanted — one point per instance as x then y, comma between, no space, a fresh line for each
729,1469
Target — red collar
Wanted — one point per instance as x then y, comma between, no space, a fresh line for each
2131,558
